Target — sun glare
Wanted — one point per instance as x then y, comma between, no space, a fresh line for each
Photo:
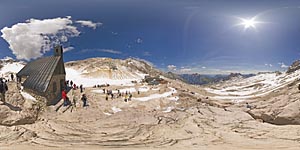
248,23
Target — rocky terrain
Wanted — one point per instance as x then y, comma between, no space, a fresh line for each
202,79
174,115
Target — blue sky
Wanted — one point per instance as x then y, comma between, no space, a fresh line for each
189,36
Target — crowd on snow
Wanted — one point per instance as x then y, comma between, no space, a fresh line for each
70,85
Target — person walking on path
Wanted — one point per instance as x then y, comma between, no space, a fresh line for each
81,88
12,77
64,97
84,100
126,98
106,97
3,89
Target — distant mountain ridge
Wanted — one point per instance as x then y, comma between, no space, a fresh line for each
201,79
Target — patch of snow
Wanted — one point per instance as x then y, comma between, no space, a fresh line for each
156,96
115,109
131,90
27,96
142,75
97,91
156,89
77,78
169,109
144,89
252,87
108,114
176,98
11,68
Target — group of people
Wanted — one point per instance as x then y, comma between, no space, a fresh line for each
66,100
72,85
127,95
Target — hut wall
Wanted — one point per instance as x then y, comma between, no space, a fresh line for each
53,93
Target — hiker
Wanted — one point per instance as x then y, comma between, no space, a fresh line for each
130,96
3,89
138,92
18,79
12,77
112,96
74,86
103,91
81,88
299,87
126,98
248,105
71,83
84,100
74,101
64,97
106,97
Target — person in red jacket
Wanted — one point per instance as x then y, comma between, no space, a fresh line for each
64,97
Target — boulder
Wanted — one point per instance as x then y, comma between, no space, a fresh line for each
287,115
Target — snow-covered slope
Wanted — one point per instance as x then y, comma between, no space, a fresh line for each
96,71
8,66
93,71
259,85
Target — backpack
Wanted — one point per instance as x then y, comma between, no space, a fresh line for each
5,86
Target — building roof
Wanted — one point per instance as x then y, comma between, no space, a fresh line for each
40,72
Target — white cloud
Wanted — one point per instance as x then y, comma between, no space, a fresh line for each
172,67
269,65
88,23
114,33
282,65
139,40
32,39
147,54
185,70
68,49
109,51
203,67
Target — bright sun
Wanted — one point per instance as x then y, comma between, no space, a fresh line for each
248,23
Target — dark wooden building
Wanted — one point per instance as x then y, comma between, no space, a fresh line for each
45,76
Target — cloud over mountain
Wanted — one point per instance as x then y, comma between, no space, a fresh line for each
32,39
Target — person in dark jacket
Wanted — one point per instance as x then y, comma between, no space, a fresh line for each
3,89
81,88
12,77
84,100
